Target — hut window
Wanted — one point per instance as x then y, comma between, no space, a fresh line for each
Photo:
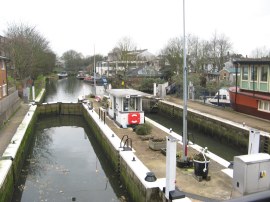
253,73
130,104
126,101
245,73
264,72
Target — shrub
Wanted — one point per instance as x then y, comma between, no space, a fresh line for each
200,157
143,129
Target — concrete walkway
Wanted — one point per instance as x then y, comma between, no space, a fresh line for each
227,113
8,130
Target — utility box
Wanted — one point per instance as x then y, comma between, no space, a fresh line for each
251,173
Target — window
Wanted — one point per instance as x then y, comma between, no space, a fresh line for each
245,73
224,76
264,73
126,103
3,65
264,106
130,104
253,75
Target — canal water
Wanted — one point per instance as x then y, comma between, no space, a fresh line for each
66,90
221,149
65,162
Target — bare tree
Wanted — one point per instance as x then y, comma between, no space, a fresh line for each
172,54
28,50
126,46
223,47
260,52
220,46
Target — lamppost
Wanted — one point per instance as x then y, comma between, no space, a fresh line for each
184,139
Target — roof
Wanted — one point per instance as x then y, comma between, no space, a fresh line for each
4,58
146,56
125,92
252,61
230,70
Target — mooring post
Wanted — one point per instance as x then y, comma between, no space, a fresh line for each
170,165
254,141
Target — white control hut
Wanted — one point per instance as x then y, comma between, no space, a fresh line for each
125,106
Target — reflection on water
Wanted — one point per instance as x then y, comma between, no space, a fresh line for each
66,90
66,164
221,149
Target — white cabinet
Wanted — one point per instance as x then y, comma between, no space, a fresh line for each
251,173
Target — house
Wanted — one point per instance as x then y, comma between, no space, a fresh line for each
253,94
131,59
3,70
144,71
228,73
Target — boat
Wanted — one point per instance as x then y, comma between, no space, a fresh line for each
62,75
81,75
221,98
100,80
252,96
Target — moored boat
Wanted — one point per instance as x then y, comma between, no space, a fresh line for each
62,75
253,95
81,75
221,98
100,81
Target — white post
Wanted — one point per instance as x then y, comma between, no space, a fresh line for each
170,165
155,89
95,92
254,141
33,93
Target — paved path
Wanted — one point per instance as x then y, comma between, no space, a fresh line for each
229,114
9,129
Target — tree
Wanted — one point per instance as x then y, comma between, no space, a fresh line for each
172,56
72,60
220,46
89,61
260,52
125,46
29,51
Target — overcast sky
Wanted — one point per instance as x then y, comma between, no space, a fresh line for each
82,24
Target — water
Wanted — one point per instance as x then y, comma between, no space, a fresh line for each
65,162
214,145
66,90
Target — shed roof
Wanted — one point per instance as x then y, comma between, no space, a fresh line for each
4,58
125,92
252,61
230,70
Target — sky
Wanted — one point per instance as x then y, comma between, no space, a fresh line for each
96,26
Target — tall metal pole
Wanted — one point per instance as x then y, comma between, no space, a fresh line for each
184,90
94,70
